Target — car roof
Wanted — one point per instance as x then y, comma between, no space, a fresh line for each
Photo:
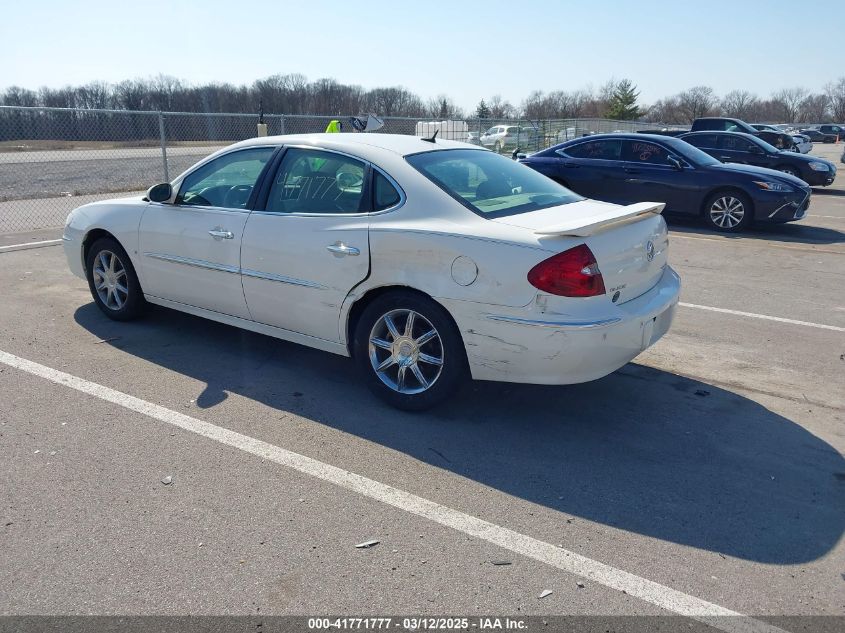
719,132
400,144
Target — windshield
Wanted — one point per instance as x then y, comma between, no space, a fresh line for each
489,184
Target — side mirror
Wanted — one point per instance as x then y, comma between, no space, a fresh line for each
160,193
675,162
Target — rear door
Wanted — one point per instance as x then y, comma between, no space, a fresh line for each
190,250
594,169
307,245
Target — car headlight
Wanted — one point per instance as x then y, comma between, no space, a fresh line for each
770,185
819,167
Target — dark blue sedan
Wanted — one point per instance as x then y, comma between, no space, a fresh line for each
628,168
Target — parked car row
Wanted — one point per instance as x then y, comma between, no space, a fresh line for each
736,147
629,168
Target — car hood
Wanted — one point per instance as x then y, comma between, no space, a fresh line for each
760,172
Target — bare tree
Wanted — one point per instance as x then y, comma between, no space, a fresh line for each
835,91
501,109
740,104
789,101
443,108
814,109
697,102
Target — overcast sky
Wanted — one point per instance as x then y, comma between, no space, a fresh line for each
466,49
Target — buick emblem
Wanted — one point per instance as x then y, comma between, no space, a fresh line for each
649,250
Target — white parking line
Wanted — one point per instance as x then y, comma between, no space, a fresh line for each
748,243
29,244
647,590
766,317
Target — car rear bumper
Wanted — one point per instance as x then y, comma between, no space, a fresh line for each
524,345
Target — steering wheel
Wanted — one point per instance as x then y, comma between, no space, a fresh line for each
237,196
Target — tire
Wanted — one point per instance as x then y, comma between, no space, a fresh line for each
113,281
400,370
728,211
788,169
497,147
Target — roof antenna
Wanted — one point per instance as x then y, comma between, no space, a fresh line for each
431,138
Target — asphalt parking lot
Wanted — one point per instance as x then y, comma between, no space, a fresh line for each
191,467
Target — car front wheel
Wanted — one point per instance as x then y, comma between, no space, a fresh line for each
728,212
112,280
789,170
409,351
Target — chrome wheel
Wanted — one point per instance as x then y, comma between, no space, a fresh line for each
406,351
110,280
789,170
727,212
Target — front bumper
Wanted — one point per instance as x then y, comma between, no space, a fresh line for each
819,178
524,345
772,207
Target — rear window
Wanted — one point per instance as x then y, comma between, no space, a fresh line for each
489,184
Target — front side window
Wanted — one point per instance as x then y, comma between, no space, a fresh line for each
314,181
596,150
645,152
742,144
227,181
490,184
702,140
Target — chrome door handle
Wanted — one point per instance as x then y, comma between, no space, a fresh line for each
339,248
220,234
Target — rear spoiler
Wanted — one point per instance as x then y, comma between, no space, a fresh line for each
599,221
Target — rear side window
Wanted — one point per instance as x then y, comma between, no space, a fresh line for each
384,193
313,181
645,152
596,150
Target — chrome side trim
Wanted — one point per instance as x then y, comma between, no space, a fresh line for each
201,263
564,325
281,278
197,263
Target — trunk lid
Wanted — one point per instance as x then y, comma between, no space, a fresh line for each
630,243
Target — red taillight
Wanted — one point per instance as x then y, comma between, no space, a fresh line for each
572,273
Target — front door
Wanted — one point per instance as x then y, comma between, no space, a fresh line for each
652,176
190,250
308,247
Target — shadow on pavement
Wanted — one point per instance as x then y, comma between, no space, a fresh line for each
641,450
792,232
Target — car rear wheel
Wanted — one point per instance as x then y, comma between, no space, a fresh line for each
787,169
112,280
728,211
409,351
497,147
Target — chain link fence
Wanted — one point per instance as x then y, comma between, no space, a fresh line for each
53,160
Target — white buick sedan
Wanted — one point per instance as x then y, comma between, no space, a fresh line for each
427,261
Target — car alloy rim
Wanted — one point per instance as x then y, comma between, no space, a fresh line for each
727,212
790,171
110,280
406,351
